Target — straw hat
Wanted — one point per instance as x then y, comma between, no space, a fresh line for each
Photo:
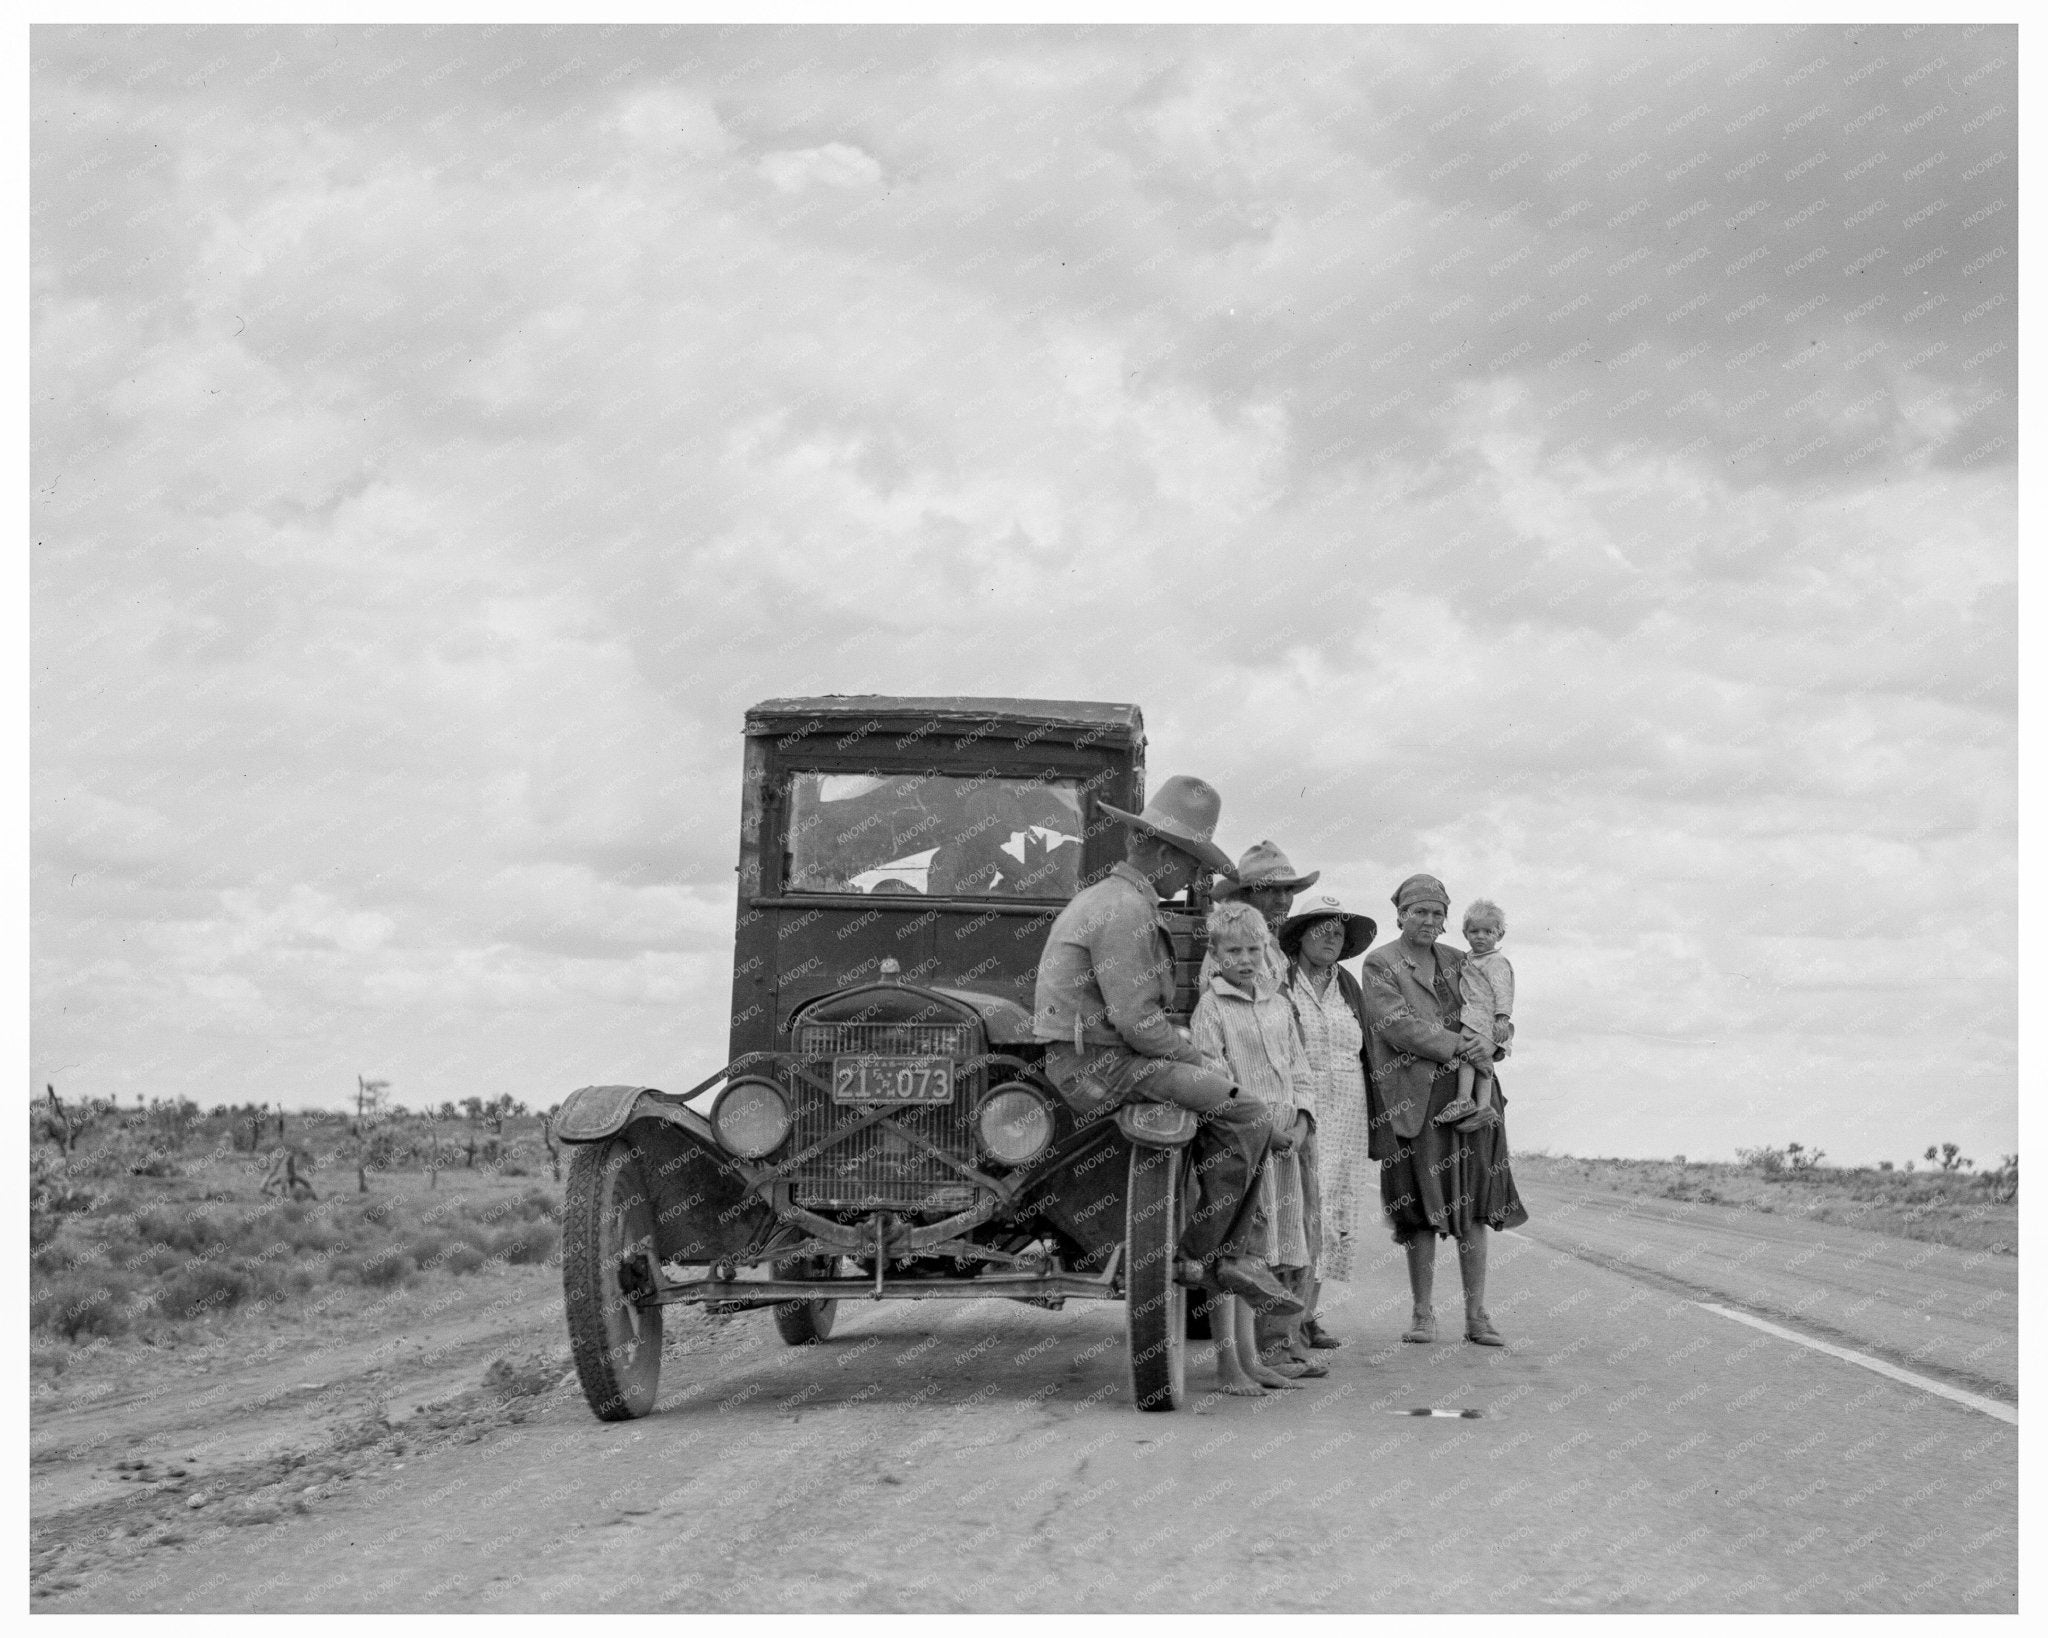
1264,865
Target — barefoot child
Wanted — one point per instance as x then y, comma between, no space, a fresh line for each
1487,982
1243,1025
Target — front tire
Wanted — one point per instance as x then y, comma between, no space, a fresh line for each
608,1254
1155,1303
809,1320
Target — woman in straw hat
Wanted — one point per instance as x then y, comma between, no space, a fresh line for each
1434,1180
1331,1008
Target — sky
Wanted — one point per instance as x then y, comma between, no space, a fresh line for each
1577,462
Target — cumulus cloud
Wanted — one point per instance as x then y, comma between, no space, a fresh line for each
1576,461
835,165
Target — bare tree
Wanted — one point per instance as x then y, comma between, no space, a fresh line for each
547,1136
57,1122
369,1104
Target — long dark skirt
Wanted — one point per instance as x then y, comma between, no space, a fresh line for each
1444,1180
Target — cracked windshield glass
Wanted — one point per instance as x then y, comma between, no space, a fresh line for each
934,834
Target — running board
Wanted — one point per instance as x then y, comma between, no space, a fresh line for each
769,1293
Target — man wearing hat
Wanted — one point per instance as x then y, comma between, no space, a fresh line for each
1105,982
1267,881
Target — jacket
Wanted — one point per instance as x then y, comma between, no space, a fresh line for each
1405,1041
1256,1040
1105,977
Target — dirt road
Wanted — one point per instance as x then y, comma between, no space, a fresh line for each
1634,1450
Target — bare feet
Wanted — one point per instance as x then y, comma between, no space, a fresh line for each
1232,1379
1266,1377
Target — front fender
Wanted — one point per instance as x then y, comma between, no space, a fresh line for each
702,1207
591,1114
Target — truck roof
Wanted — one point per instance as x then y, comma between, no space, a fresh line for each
1101,722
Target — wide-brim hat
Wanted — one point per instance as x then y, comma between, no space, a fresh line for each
1359,930
1264,865
1184,812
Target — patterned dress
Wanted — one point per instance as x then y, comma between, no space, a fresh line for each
1334,1037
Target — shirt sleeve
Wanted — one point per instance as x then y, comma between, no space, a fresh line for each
1126,953
1504,987
1207,1030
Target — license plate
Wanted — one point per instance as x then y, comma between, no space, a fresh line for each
892,1080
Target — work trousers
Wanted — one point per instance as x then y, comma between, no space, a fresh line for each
1231,1137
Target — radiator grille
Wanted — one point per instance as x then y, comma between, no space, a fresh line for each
904,1040
878,1168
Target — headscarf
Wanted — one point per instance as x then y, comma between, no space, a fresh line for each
1421,889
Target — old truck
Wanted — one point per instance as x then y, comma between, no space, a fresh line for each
880,1127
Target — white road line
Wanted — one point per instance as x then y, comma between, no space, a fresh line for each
1976,1402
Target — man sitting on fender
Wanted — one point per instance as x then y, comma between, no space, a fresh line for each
1105,981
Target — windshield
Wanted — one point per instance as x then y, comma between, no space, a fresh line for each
934,834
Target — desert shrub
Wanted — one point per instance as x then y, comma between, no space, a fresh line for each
427,1250
388,1267
200,1289
53,1194
54,1258
75,1306
463,1258
189,1232
526,1242
1768,1161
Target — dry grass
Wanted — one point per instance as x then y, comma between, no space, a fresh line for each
1948,1208
155,1258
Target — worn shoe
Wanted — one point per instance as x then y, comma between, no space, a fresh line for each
1479,1329
1456,1109
1487,1116
1252,1280
1422,1328
1316,1337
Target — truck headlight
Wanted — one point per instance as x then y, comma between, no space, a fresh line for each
1014,1124
751,1118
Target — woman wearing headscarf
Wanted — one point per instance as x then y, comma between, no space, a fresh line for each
1435,1181
1331,1009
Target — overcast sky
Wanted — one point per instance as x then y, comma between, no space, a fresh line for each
1576,462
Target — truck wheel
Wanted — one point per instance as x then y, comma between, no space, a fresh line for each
1155,1304
808,1321
608,1254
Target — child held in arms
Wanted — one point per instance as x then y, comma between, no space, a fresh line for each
1243,1025
1487,982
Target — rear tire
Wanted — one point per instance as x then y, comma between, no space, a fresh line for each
607,1220
1155,1303
810,1320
